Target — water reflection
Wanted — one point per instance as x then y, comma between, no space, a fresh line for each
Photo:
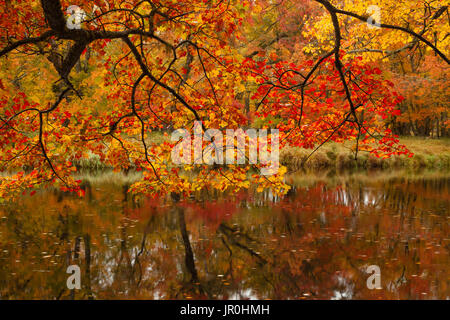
316,243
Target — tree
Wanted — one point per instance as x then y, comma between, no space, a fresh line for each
101,81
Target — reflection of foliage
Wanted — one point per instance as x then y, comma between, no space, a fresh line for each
312,244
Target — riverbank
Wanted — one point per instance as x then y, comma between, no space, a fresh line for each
428,153
300,178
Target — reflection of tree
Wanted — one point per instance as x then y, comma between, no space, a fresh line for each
315,243
197,288
230,233
189,256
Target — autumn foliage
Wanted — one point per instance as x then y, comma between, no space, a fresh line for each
312,68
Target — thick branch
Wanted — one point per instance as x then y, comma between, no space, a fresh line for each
335,10
26,41
147,72
54,15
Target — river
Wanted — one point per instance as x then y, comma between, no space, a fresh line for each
315,243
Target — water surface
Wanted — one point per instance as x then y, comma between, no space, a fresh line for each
316,243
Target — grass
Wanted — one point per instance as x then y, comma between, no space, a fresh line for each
335,178
93,163
109,177
428,153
